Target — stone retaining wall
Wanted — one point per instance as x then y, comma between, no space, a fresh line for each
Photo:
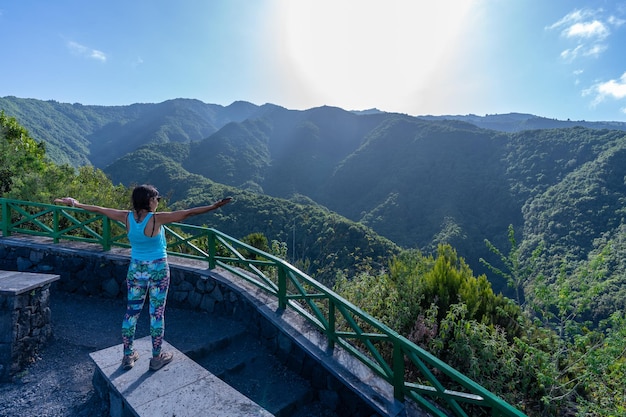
90,272
25,328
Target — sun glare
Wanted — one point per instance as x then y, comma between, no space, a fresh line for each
363,53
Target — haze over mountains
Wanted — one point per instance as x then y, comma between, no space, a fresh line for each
416,181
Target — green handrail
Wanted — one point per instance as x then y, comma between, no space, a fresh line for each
377,346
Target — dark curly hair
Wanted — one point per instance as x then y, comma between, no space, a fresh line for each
142,195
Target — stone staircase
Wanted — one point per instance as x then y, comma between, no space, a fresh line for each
248,366
226,349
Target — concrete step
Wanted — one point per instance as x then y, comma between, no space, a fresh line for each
247,365
181,388
221,344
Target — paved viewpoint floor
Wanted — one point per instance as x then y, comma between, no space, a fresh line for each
59,382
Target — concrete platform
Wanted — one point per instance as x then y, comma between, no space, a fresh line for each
182,388
15,282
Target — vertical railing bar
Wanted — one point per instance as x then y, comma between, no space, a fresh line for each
398,372
106,233
212,250
55,225
6,218
332,324
282,287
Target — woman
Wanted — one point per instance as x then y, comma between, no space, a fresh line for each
148,272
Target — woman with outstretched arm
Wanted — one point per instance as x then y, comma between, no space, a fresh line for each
148,272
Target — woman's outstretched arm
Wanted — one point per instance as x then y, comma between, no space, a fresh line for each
180,215
113,214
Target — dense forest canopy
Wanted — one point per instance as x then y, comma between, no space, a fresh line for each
480,234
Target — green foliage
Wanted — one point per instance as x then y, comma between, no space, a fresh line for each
416,284
26,175
81,135
451,281
480,351
603,370
19,154
438,304
515,274
566,363
257,240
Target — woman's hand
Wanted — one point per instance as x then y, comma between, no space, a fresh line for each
222,202
67,201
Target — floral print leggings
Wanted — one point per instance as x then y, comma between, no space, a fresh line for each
150,278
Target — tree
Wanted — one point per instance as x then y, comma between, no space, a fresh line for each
516,273
19,153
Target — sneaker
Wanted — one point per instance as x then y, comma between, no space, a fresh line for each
129,360
160,361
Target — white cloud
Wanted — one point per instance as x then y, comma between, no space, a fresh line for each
577,73
571,18
78,49
589,29
615,89
616,21
571,54
595,50
594,29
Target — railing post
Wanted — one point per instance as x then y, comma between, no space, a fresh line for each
6,218
282,287
106,233
330,333
398,372
212,250
55,225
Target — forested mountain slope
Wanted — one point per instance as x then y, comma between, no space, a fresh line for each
77,135
417,181
319,242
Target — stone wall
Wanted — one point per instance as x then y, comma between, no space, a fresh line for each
88,271
25,327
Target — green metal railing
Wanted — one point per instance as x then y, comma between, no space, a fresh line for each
388,354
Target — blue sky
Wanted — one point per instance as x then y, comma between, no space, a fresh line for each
562,59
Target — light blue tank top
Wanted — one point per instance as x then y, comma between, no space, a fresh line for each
142,247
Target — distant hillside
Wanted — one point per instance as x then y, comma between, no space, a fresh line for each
516,122
97,135
413,181
77,134
321,243
416,181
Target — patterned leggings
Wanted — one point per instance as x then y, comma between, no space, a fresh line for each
152,278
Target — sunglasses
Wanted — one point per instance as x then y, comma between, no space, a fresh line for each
158,198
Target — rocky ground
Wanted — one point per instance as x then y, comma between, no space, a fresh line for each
58,382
